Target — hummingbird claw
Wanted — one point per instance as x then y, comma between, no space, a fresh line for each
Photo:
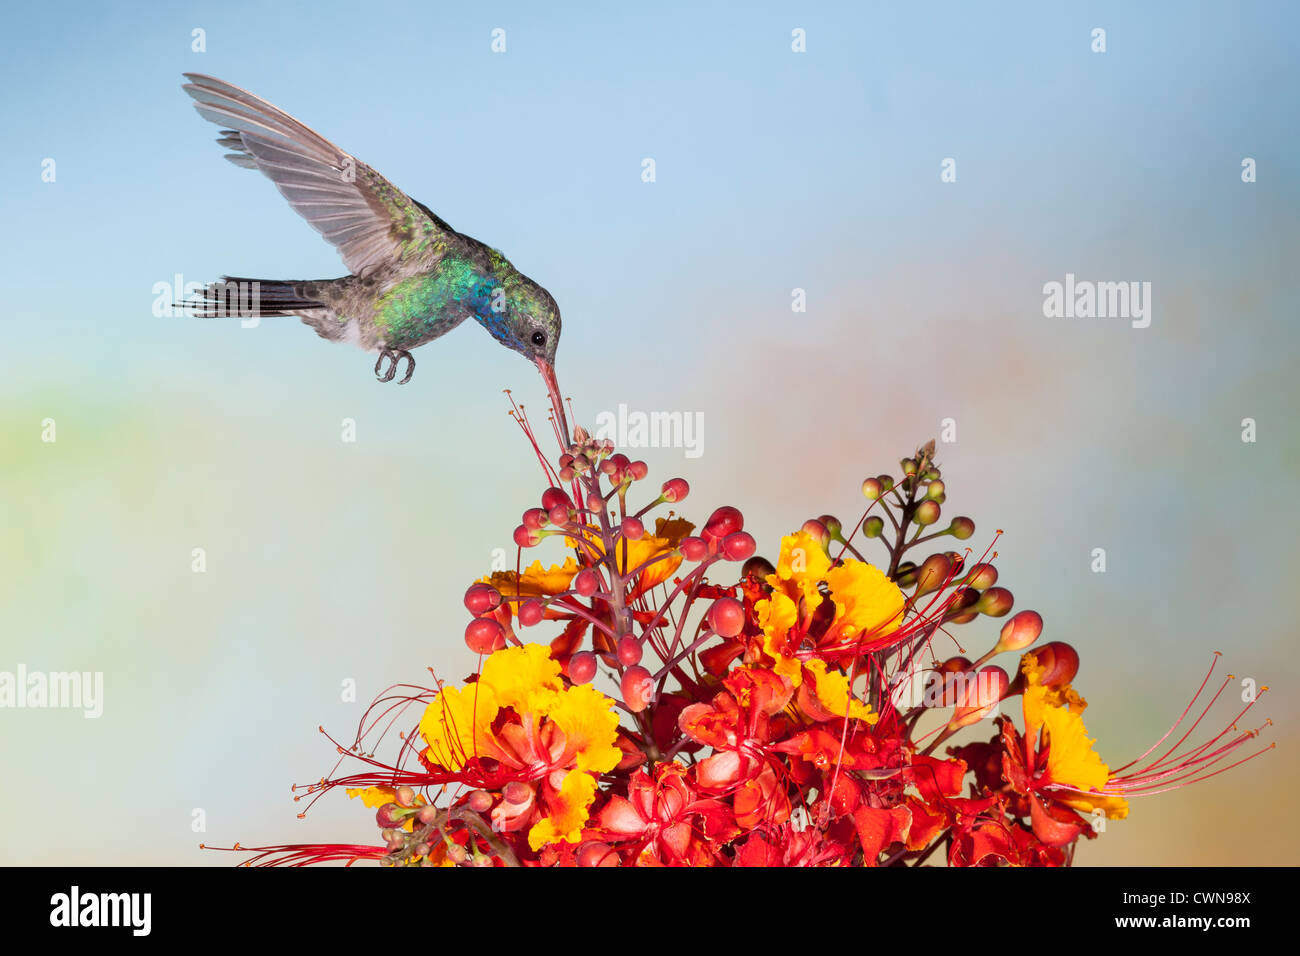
394,356
410,366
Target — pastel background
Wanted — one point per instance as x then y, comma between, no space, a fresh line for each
329,561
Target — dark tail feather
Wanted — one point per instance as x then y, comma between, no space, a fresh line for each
249,298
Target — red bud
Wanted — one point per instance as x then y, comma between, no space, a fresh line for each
481,598
586,582
638,687
674,490
582,667
629,651
483,635
727,617
531,612
739,546
694,549
723,522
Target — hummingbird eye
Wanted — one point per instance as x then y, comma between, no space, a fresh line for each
539,338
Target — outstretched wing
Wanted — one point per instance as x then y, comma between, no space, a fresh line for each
368,219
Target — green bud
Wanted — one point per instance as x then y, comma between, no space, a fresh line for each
927,513
961,528
873,526
934,490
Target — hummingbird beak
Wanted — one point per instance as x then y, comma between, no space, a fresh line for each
557,403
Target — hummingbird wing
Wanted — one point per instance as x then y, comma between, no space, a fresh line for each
368,219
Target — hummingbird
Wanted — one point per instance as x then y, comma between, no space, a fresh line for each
413,277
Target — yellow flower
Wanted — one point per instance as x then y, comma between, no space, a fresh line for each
776,616
832,689
458,725
866,601
526,678
590,728
801,566
1071,759
568,811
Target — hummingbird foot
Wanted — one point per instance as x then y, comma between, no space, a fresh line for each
389,372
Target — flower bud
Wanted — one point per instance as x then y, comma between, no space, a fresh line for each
739,546
872,489
535,518
674,490
405,796
982,576
693,548
933,574
632,528
638,687
727,617
517,793
905,575
1060,663
980,696
595,503
582,667
723,521
559,515
526,537
757,567
531,612
481,598
597,854
483,635
995,602
638,470
873,526
586,582
817,531
427,813
389,815
934,490
834,527
555,497
480,801
908,465
961,528
629,651
927,512
1018,633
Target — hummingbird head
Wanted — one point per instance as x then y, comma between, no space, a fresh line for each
521,315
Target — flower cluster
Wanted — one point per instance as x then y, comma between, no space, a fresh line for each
688,702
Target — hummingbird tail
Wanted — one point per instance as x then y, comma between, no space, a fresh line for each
251,298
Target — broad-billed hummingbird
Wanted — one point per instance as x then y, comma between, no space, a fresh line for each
414,278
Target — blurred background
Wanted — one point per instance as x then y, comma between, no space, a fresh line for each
330,561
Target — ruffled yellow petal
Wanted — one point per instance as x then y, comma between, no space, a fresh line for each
451,720
536,581
776,616
832,689
801,566
866,601
568,812
586,718
526,678
1071,759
